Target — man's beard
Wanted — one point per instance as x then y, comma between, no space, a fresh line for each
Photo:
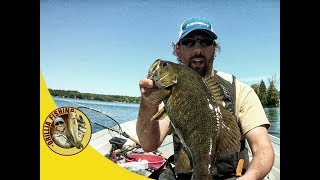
199,64
201,71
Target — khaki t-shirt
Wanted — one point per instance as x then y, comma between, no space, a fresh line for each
249,110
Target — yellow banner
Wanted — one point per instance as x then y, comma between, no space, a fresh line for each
87,164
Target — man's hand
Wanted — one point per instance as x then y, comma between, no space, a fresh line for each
147,86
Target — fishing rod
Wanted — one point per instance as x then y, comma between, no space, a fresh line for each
99,115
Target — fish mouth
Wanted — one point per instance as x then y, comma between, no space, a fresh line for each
169,88
158,84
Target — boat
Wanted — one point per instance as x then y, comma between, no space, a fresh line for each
100,142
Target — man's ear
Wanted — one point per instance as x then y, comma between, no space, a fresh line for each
177,50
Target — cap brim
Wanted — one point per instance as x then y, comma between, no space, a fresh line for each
213,35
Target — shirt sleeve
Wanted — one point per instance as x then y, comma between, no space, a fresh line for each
249,109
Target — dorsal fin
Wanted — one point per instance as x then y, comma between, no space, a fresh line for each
214,88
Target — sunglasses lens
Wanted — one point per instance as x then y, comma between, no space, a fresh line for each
206,42
188,42
58,123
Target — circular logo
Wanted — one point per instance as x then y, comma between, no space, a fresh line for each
67,131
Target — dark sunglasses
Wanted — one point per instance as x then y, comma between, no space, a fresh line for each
204,42
58,123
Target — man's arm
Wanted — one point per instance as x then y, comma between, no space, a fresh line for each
262,152
150,133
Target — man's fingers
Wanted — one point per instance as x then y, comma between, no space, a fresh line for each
147,86
146,83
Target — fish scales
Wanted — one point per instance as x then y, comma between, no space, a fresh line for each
203,125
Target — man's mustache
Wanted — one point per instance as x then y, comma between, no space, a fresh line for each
198,56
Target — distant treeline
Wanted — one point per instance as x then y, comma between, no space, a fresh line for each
269,97
90,96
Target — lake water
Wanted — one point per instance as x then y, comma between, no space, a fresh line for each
123,112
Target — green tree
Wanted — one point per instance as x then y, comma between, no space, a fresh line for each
262,93
273,95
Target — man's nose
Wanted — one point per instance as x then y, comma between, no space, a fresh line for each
197,48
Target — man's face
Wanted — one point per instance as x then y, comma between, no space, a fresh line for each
197,55
60,126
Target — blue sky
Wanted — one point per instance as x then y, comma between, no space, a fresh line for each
106,47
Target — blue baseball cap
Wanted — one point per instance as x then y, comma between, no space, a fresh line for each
192,24
58,119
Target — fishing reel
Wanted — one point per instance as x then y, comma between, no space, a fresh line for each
116,147
117,143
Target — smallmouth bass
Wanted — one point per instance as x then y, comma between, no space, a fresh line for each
73,131
203,125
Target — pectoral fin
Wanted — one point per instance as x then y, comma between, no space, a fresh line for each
183,164
159,115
